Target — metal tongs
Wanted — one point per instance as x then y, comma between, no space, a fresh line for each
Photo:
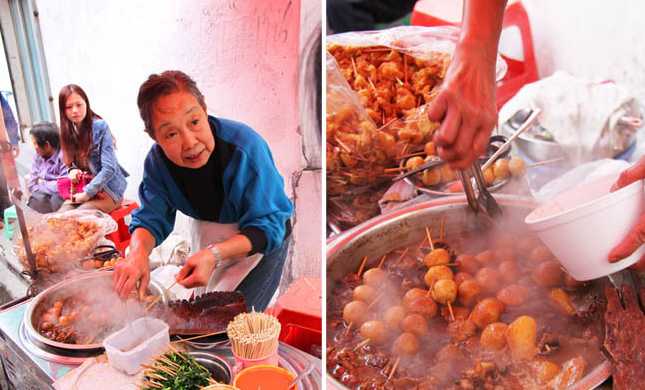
103,253
479,199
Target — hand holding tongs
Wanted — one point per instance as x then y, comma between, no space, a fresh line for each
482,200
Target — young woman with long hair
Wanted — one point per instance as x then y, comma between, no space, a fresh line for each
88,147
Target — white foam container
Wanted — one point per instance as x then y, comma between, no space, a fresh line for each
582,225
149,336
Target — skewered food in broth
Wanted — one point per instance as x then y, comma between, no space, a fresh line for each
437,327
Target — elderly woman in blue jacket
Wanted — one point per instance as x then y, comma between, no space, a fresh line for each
219,172
88,146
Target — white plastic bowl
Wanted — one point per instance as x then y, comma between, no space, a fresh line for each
136,344
582,225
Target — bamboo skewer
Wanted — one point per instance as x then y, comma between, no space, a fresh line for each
421,244
396,365
399,169
152,303
429,239
452,315
196,337
354,66
405,68
402,255
362,267
412,155
371,83
380,264
254,335
545,162
361,344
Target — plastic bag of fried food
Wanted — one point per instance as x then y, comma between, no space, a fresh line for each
60,240
378,86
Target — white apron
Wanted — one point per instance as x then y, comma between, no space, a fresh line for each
229,276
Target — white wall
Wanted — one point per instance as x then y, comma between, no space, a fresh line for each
591,38
243,55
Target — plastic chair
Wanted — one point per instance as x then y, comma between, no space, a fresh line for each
520,72
121,237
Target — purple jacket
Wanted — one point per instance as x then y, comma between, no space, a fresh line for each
45,172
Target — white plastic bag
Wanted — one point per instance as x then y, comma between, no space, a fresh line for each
59,240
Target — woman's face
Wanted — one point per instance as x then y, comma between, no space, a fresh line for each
181,128
75,108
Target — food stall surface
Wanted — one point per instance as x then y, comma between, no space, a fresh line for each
28,366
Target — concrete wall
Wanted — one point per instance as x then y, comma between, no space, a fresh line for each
244,55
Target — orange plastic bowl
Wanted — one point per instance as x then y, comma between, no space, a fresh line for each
264,377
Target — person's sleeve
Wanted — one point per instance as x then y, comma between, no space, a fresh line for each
108,164
156,214
265,208
32,182
10,122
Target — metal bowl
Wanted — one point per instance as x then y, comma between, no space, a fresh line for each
77,285
406,226
219,369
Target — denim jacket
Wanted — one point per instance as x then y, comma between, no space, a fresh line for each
109,176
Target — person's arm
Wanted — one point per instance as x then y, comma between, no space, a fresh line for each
636,236
10,122
265,207
199,267
58,171
34,175
150,225
108,163
465,105
136,267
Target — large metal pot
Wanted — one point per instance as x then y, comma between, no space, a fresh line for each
73,286
406,226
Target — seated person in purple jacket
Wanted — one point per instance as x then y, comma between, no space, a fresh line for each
46,169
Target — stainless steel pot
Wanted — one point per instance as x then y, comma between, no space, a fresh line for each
406,226
76,285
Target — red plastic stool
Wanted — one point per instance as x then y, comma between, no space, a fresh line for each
519,72
299,313
121,237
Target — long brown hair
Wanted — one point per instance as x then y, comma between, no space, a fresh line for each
75,145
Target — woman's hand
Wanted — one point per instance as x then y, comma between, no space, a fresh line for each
197,270
74,174
636,236
127,273
81,197
465,106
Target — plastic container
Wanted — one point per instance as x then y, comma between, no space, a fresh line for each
265,377
582,225
136,343
242,363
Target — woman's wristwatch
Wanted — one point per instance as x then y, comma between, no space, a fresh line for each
219,259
